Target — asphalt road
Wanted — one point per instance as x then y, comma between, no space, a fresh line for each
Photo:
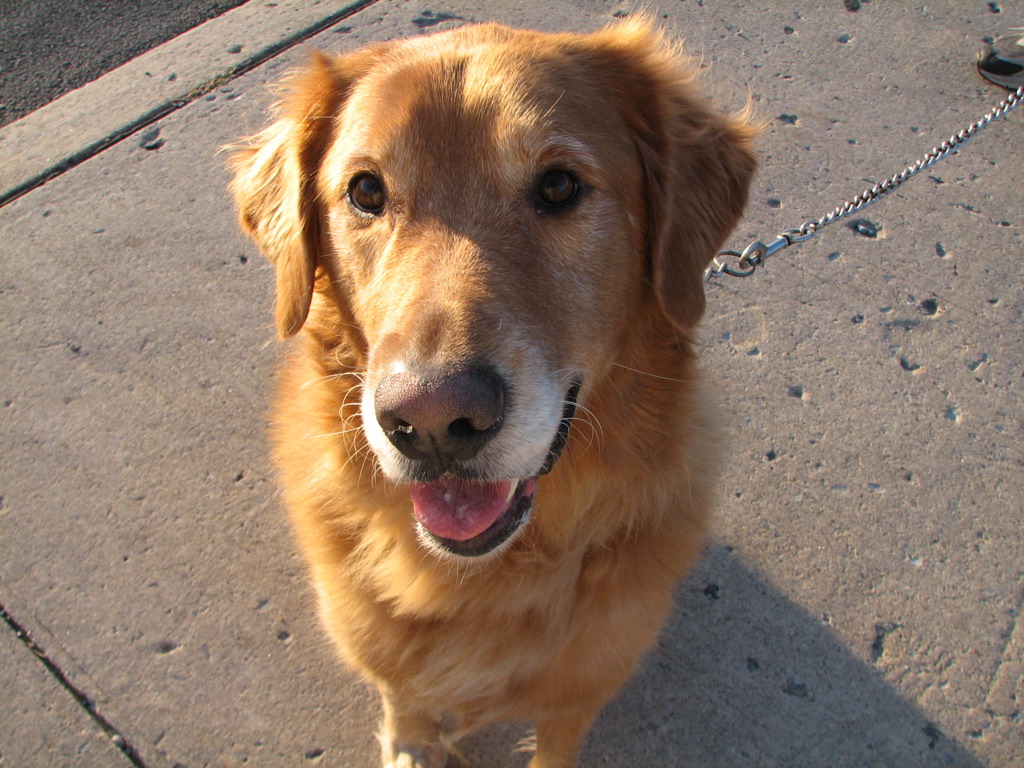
50,47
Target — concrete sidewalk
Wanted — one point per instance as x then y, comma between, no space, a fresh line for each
860,601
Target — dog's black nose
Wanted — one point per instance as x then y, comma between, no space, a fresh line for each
443,418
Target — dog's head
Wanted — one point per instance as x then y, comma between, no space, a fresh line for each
487,210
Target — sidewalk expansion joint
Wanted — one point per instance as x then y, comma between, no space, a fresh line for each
80,697
173,105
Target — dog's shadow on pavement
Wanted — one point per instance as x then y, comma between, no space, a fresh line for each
742,677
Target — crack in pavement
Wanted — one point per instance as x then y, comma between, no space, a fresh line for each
81,698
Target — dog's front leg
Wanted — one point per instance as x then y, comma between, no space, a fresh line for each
560,738
409,738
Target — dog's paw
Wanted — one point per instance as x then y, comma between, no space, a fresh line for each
433,756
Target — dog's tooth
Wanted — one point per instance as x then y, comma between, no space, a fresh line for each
511,490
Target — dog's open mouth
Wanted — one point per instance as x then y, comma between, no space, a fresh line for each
473,517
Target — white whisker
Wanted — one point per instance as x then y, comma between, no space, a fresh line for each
586,416
652,375
340,375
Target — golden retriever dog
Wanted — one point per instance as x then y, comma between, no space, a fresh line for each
494,441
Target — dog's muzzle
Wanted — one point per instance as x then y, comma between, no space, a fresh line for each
440,423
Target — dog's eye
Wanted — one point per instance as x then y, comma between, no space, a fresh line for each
366,193
556,189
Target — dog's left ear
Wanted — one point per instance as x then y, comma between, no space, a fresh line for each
276,176
698,162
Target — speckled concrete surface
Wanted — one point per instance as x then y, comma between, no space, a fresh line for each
859,601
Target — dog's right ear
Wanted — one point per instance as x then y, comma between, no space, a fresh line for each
275,181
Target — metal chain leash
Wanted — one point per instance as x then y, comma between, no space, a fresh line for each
757,252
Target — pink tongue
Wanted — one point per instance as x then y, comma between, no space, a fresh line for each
459,509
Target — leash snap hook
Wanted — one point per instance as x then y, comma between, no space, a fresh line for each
719,267
753,256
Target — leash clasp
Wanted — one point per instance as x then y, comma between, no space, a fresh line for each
753,256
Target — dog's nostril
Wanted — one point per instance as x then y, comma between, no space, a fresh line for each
463,428
390,422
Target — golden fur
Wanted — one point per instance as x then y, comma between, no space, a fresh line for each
462,265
